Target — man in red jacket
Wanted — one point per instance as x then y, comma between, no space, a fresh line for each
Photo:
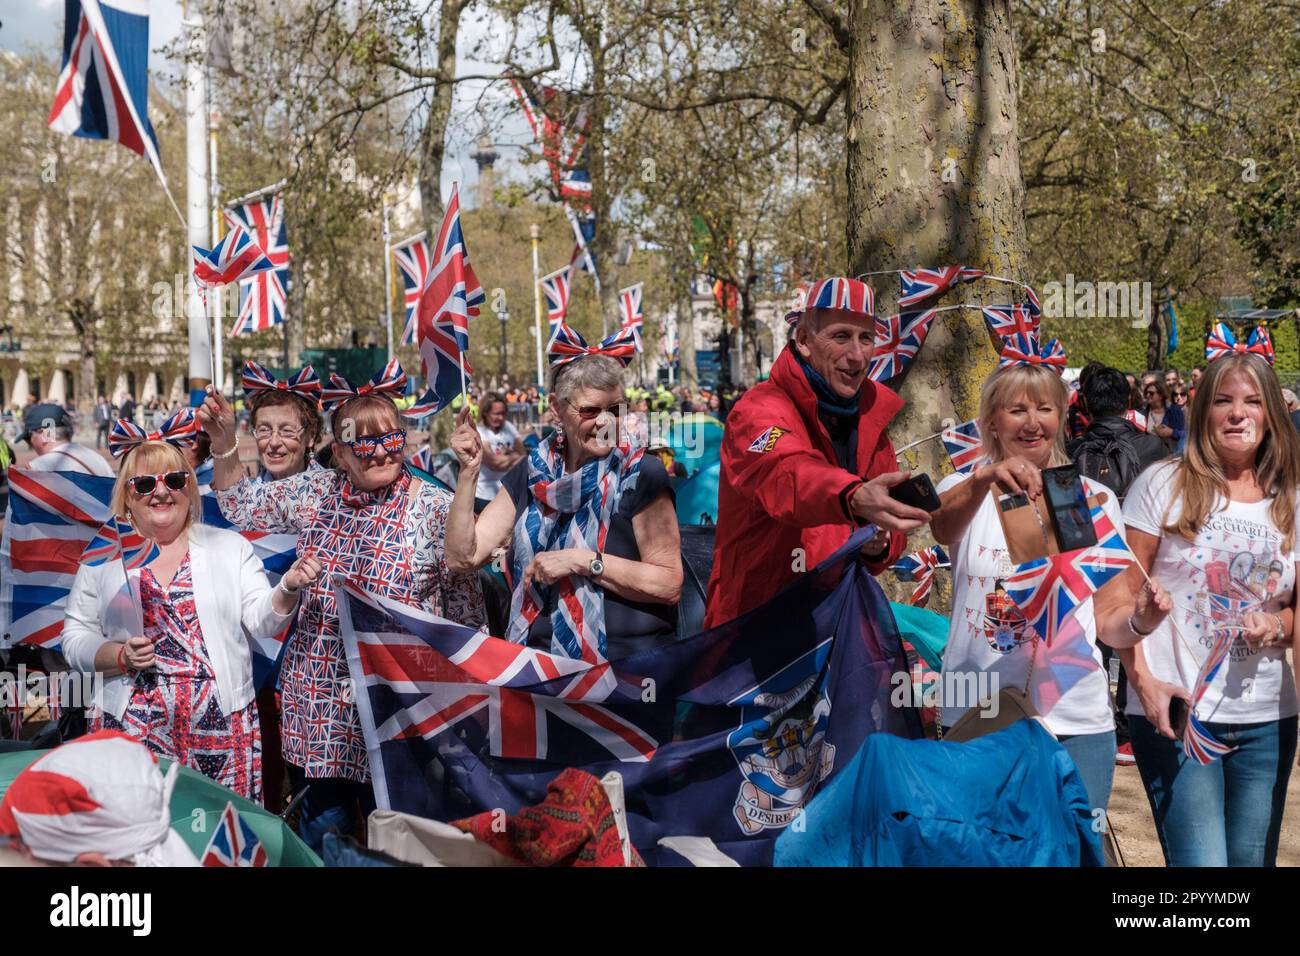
805,458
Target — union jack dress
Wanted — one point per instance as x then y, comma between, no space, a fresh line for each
174,709
389,541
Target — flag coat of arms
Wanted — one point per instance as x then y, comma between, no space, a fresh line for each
233,842
725,734
52,519
964,446
264,295
412,258
103,86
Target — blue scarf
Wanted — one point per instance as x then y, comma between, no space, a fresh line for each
828,400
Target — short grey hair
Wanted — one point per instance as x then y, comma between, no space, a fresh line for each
599,372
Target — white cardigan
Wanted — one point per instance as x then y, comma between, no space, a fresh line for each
231,595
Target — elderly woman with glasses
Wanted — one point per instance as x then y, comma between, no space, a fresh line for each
167,619
371,520
285,420
588,522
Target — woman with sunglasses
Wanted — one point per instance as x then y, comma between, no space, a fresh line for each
588,522
1164,419
172,637
370,519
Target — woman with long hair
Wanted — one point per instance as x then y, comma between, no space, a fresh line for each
1217,528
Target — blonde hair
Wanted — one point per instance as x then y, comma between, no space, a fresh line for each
155,457
1007,385
1199,478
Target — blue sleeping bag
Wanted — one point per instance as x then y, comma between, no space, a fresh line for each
1011,798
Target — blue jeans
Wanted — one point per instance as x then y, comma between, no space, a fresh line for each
1227,813
1094,757
332,805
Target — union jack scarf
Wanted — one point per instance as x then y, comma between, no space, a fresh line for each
567,511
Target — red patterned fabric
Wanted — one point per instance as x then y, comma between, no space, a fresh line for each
573,826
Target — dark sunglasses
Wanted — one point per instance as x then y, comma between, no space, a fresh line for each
145,484
588,412
367,448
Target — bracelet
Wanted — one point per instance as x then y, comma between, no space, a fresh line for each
1136,633
1280,632
121,659
290,592
233,448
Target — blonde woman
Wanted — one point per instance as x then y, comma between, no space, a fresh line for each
1218,529
173,636
1021,417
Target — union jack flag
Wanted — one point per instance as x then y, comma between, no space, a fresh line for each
233,842
555,288
1032,303
262,297
898,339
52,517
452,295
412,258
921,284
919,567
1049,589
117,539
1009,319
423,459
964,447
236,256
629,306
1198,743
569,171
103,87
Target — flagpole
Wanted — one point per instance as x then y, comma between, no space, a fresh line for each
218,300
196,197
535,232
388,281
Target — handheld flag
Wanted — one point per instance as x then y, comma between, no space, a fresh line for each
450,298
263,295
1199,743
233,842
117,539
236,256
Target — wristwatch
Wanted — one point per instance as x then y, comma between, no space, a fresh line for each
597,566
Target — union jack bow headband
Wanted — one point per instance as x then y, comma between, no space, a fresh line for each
1222,342
180,431
1023,349
567,345
305,383
390,381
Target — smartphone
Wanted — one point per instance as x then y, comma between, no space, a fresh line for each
1068,505
1011,502
917,491
1178,715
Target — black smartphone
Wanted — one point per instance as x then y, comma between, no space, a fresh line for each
917,491
1177,715
1068,505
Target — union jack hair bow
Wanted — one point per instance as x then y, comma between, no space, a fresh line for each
180,430
304,383
1023,349
567,345
1222,342
390,381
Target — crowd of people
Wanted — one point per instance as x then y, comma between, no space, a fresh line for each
1200,478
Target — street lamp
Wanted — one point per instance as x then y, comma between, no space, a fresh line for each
504,315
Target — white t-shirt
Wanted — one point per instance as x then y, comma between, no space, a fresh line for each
987,633
1238,556
489,479
72,457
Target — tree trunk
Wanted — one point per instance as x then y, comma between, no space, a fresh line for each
433,138
933,166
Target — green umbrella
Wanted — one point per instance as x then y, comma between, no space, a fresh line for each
197,804
925,630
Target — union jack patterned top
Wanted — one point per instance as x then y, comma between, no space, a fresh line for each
391,542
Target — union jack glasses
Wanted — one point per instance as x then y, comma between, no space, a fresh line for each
365,448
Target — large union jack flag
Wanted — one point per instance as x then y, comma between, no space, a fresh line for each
964,447
629,307
555,289
263,297
921,284
103,87
412,258
1049,589
898,339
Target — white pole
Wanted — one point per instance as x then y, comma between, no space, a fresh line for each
196,195
388,281
217,295
535,232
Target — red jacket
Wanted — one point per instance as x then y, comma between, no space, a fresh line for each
781,488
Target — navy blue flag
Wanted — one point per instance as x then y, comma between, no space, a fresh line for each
726,734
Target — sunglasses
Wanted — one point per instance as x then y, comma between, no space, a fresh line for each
145,484
367,448
588,412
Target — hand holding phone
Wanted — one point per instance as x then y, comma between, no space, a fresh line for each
1068,505
917,491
